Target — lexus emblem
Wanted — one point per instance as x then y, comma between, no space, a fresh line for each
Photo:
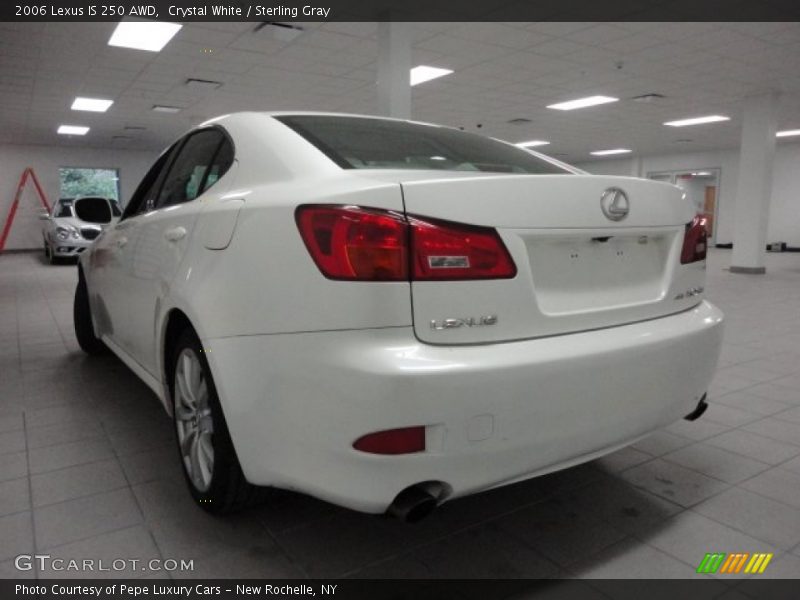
615,204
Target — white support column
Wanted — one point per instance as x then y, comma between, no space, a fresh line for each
754,184
394,64
636,167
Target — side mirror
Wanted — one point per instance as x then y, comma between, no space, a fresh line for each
44,215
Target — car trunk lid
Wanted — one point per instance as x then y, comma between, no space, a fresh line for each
577,269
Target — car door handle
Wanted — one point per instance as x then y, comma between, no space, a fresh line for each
121,241
175,234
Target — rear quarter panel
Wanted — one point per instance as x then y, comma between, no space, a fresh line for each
266,282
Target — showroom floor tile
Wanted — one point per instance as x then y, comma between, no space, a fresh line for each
88,469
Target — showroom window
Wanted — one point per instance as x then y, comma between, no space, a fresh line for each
85,181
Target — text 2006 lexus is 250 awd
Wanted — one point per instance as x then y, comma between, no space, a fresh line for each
389,314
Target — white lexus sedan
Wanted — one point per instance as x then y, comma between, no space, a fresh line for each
388,314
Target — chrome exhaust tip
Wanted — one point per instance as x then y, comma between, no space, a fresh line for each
417,501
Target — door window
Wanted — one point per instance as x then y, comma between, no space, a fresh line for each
144,197
200,163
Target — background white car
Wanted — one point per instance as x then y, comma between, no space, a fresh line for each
74,223
389,314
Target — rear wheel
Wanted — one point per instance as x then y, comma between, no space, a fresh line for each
82,318
209,460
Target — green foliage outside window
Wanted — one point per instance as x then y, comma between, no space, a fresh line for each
77,182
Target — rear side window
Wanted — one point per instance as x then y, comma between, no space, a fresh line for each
144,197
196,167
364,143
219,166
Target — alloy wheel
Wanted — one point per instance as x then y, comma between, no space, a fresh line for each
193,419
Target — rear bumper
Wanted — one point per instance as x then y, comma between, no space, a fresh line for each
495,413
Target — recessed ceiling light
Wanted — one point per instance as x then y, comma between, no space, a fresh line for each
788,133
91,104
611,151
697,121
283,32
72,130
166,109
532,143
143,35
423,73
583,102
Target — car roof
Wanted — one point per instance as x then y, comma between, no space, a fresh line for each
315,113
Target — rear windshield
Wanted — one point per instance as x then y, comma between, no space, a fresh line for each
363,143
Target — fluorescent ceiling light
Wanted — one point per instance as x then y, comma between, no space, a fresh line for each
788,133
143,35
612,151
532,143
697,121
423,73
91,104
166,109
583,102
72,130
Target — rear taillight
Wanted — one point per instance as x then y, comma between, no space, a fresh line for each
364,244
348,242
393,441
444,250
695,241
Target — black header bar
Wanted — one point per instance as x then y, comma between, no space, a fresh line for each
401,10
349,589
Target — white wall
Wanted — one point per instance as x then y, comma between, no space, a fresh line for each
46,160
784,214
784,221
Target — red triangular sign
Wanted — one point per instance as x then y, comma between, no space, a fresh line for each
28,172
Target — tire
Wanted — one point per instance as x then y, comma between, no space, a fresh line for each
49,255
208,458
82,318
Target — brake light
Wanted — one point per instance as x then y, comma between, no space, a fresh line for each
348,242
364,244
695,241
445,250
393,441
